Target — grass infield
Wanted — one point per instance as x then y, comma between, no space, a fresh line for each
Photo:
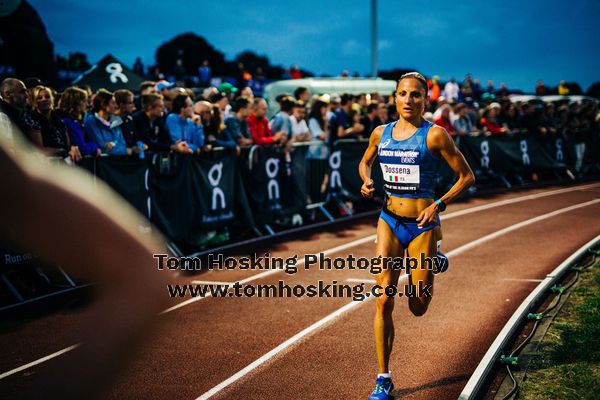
567,365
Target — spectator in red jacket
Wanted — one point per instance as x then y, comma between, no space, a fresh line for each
259,125
444,120
489,122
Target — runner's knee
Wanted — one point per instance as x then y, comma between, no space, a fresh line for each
385,304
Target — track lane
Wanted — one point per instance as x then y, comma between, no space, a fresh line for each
292,306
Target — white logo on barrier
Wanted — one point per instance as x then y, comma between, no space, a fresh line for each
272,168
524,154
485,150
116,73
335,161
214,178
559,149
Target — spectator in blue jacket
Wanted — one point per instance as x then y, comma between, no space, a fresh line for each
73,106
105,130
184,126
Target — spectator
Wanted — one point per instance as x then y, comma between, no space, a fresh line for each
462,124
467,88
503,91
490,92
147,87
532,120
125,109
383,116
444,120
334,104
451,91
138,67
30,84
476,91
163,86
281,121
300,132
549,119
510,119
73,106
222,101
216,132
540,89
184,126
50,134
435,91
237,124
101,127
370,121
247,94
13,100
205,74
149,125
489,122
318,127
563,90
295,72
301,93
577,131
258,125
340,123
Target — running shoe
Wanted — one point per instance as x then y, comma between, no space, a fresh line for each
383,388
444,265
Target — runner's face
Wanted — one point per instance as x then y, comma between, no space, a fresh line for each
410,98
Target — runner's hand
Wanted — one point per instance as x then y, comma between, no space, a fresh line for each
367,189
428,216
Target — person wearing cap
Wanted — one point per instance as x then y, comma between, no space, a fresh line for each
163,86
409,151
489,121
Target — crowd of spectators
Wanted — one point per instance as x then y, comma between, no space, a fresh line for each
164,117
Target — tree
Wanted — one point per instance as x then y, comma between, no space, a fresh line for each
394,74
594,90
192,50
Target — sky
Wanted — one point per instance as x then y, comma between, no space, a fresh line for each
516,42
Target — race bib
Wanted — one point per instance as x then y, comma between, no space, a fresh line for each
400,178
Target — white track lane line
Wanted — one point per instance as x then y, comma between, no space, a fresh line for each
358,280
314,327
335,249
39,361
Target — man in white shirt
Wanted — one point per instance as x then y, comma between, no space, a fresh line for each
451,90
300,131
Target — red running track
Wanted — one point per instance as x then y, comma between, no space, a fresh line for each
322,348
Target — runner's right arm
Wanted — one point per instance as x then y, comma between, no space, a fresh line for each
364,168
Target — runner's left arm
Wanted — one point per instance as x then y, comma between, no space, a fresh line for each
440,143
